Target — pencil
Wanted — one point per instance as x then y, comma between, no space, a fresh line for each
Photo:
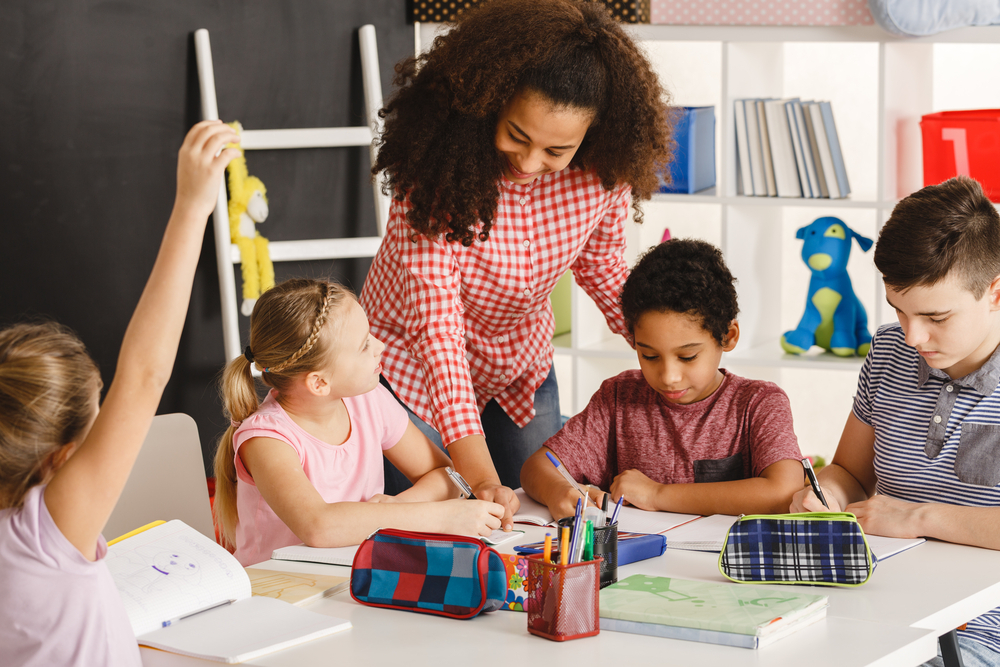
564,546
547,549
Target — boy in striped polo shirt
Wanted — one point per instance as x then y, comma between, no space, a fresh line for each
920,453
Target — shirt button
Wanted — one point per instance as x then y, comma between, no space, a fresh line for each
499,339
937,419
527,243
522,200
950,388
527,292
503,377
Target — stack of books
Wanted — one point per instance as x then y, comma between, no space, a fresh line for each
788,148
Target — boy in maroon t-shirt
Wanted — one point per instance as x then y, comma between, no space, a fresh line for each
681,434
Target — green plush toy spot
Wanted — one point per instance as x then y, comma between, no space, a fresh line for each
820,261
789,348
826,301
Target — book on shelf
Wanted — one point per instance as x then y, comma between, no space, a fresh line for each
186,594
800,164
707,611
754,149
786,176
789,148
745,180
836,156
825,158
807,151
765,149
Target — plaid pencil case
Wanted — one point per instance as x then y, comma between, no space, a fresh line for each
823,548
448,575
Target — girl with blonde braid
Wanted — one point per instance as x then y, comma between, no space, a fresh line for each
305,464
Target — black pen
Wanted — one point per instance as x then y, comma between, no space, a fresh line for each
811,474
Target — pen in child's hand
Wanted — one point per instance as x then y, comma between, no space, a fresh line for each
460,482
811,474
562,469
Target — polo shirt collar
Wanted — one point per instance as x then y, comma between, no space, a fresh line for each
983,380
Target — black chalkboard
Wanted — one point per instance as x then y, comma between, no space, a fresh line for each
95,99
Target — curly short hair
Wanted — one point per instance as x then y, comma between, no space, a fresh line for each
438,146
682,276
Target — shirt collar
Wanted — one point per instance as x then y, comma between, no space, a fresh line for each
984,379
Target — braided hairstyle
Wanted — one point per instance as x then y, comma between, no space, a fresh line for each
289,336
439,143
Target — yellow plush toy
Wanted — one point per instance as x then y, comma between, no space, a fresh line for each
247,207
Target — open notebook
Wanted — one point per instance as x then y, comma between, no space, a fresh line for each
630,519
186,594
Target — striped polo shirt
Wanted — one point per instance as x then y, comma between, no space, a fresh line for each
936,439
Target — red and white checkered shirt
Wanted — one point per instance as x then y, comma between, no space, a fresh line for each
465,325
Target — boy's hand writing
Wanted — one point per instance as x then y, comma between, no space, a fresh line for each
638,489
806,501
502,495
200,164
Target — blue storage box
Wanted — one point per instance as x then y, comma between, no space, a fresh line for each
693,167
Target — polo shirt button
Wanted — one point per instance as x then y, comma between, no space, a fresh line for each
949,388
522,200
937,419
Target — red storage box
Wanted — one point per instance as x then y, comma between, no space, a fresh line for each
963,143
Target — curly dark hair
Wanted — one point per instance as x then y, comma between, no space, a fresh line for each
438,146
682,276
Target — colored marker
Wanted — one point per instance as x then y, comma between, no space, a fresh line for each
564,546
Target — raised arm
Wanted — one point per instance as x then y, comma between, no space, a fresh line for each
82,494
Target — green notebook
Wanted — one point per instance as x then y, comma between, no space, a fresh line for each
718,613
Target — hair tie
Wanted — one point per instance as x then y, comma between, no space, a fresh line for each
248,353
234,423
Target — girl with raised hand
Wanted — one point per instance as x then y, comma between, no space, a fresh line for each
64,462
305,465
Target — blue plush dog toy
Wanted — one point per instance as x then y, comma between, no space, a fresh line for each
834,318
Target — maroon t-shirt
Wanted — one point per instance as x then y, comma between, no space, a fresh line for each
737,432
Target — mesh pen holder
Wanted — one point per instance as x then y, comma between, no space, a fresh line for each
562,600
606,546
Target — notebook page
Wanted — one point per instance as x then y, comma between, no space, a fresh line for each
531,511
329,556
706,534
244,630
172,570
635,520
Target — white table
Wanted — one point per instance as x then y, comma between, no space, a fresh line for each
892,620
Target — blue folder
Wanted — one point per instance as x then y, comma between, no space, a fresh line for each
632,547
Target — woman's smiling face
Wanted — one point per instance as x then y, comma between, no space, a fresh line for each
537,137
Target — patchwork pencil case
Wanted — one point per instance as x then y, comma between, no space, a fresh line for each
823,548
447,575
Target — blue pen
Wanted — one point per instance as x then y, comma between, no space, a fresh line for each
562,469
576,525
618,506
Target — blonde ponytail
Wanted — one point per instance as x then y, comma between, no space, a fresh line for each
286,339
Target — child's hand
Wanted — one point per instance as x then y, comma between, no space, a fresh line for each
806,501
882,515
566,504
200,164
638,490
470,517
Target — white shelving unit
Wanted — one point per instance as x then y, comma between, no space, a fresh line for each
880,86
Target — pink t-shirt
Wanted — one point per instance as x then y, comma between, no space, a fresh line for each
351,471
737,432
57,607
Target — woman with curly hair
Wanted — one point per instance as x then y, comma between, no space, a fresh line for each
512,148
